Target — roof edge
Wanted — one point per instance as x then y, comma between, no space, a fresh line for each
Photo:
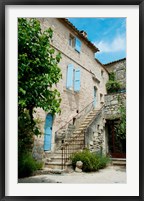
66,21
114,61
102,65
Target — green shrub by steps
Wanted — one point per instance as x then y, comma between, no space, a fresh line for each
91,161
27,165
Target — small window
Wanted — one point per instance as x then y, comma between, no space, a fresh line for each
75,43
101,98
71,40
74,119
102,73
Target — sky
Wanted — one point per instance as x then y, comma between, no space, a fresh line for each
107,34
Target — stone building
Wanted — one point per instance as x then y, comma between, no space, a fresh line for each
112,114
119,67
82,88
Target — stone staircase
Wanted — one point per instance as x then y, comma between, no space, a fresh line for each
75,142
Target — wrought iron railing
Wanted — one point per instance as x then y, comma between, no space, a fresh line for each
74,122
77,141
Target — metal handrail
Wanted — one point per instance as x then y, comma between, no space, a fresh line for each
95,116
73,117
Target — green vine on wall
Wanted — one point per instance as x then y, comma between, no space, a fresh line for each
112,85
121,127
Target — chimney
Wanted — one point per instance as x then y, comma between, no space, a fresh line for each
83,33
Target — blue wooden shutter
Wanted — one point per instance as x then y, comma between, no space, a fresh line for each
69,83
77,45
77,80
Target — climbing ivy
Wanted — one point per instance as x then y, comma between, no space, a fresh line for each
112,85
121,127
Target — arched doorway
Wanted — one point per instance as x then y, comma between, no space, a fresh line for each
48,132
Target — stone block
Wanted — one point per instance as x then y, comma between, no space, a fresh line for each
78,169
79,164
114,102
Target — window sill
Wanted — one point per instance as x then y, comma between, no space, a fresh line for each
71,91
94,78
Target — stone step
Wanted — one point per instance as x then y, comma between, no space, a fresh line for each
60,151
75,141
56,165
57,159
89,118
83,127
77,132
86,122
119,161
45,171
80,129
74,148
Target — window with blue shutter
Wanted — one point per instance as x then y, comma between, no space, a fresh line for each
77,45
69,83
77,80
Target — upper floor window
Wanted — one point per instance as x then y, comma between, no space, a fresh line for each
71,40
75,43
102,73
73,78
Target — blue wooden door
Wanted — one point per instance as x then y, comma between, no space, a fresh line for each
95,97
48,132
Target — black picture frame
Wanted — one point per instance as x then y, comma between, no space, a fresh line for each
3,3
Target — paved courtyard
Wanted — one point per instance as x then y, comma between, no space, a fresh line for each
111,174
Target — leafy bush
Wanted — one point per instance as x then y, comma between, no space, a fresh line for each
91,161
112,85
103,161
27,165
25,133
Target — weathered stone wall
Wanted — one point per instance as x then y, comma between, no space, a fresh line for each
95,138
92,74
119,67
112,105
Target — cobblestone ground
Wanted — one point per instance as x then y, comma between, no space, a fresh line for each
111,174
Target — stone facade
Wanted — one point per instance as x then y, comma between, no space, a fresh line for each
76,105
112,105
119,67
92,74
96,139
113,101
